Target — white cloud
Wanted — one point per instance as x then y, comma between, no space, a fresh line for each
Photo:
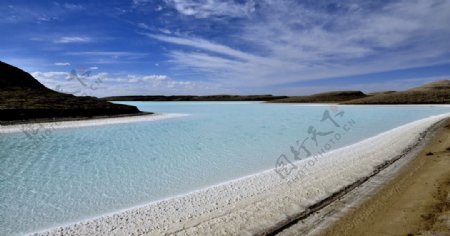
105,84
207,8
71,6
145,78
73,39
114,54
166,31
52,75
62,64
289,42
205,45
144,26
155,78
369,87
141,2
44,19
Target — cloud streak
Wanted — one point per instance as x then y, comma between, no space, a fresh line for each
106,53
106,84
239,46
73,39
62,64
212,8
285,41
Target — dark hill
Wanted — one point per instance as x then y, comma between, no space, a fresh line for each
437,92
382,92
161,98
333,97
11,76
440,85
24,99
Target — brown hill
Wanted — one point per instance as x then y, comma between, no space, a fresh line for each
440,85
382,92
161,98
437,92
24,99
329,97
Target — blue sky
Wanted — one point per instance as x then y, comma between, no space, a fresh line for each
230,46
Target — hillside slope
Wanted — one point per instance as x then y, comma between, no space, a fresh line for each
328,97
437,92
161,98
23,98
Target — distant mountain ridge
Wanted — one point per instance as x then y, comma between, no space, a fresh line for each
224,97
24,99
434,86
437,92
327,97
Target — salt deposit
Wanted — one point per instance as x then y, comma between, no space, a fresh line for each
252,204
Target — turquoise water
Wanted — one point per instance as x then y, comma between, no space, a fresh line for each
55,176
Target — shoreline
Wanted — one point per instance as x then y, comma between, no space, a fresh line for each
65,119
255,203
371,105
327,216
17,128
414,200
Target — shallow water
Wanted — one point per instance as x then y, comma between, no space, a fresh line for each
55,176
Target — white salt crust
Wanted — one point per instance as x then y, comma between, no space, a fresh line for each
91,122
250,204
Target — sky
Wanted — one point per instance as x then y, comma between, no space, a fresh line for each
199,47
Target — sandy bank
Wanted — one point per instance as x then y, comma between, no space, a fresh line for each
260,203
415,201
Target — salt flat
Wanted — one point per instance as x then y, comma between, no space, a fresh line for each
257,203
89,122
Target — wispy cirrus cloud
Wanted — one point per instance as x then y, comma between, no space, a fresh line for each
107,57
141,2
62,64
205,45
71,6
53,75
74,39
106,53
211,8
367,87
286,41
107,84
243,46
